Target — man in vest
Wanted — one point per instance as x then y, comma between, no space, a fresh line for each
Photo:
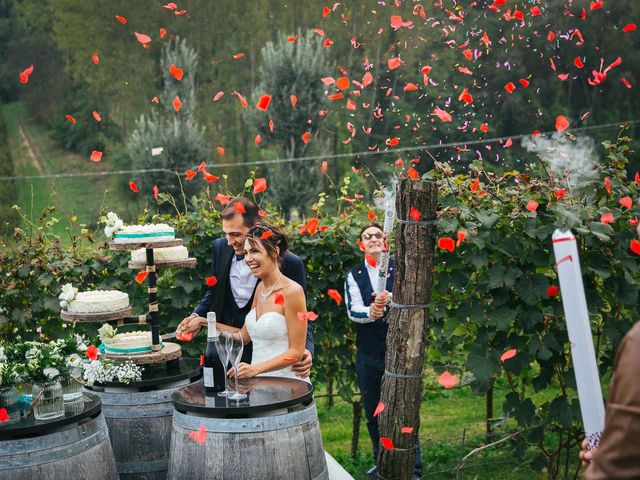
368,308
231,296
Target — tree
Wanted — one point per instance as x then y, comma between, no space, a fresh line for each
170,126
292,69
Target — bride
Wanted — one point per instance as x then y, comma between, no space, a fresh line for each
277,322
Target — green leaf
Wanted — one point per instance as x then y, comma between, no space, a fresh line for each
503,276
488,220
560,411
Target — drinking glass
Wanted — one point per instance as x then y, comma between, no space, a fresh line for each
221,342
237,346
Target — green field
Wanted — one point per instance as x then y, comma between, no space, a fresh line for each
35,153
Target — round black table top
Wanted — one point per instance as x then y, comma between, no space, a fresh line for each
30,427
161,374
263,394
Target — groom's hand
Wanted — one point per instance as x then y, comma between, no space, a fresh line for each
191,324
303,368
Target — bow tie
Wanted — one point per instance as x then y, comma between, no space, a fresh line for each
239,258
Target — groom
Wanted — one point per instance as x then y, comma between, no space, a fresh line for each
232,295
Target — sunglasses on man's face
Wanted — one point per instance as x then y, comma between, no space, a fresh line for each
369,236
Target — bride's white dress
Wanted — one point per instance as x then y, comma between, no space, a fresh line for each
269,336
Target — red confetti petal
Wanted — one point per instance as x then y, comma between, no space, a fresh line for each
415,214
142,38
607,185
629,27
190,173
552,291
447,380
95,59
342,83
312,225
4,415
312,316
241,99
305,136
209,177
510,87
155,192
371,215
561,123
413,173
238,207
176,72
264,102
96,116
260,185
133,186
446,243
394,63
335,295
406,430
442,115
635,247
96,156
370,260
185,336
508,354
578,62
200,436
92,352
223,199
70,118
141,276
177,104
278,298
379,409
532,205
607,218
211,281
626,202
122,20
386,443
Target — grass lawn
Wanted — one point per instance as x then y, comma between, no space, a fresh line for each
35,153
444,418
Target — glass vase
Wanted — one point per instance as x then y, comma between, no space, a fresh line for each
71,389
47,400
9,401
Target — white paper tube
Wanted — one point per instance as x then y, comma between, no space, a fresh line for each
581,340
389,218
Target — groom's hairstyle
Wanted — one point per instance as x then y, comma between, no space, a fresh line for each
242,206
272,239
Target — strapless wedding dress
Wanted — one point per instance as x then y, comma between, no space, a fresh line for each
269,336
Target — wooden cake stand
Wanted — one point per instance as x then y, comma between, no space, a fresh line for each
188,263
135,246
78,317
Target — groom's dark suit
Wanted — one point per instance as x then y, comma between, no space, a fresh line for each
219,298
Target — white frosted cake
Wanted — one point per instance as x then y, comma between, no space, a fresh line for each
98,301
129,343
144,233
161,255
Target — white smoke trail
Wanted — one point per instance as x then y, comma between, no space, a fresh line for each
569,158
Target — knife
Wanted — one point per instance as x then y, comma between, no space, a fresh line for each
168,336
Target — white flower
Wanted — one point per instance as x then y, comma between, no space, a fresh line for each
68,294
113,224
74,360
51,372
106,332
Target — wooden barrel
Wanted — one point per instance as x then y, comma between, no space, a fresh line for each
285,446
139,418
81,452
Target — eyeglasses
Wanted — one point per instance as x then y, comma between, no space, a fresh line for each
369,236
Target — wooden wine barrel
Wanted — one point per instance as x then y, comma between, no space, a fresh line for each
78,450
281,443
139,418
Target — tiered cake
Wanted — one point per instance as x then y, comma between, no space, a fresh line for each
98,301
161,255
129,343
144,233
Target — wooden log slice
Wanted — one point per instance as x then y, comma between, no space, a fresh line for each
134,246
189,262
169,351
81,317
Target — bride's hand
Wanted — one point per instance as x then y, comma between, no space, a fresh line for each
303,368
245,370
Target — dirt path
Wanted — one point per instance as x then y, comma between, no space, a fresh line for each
27,141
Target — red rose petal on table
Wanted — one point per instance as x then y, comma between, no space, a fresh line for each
176,72
607,218
142,38
305,136
387,443
185,337
223,199
264,102
626,202
370,260
552,291
92,352
141,276
200,436
335,295
561,123
70,118
312,225
122,20
238,207
155,192
447,380
510,87
96,156
96,116
532,205
415,214
379,409
211,281
446,243
133,186
508,354
177,104
259,185
406,430
635,246
4,415
210,178
278,299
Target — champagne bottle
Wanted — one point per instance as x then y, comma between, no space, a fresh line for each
213,368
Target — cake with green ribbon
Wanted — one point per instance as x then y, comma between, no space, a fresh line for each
129,343
144,233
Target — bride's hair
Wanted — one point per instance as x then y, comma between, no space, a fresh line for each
272,238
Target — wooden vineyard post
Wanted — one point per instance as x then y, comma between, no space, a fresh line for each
402,381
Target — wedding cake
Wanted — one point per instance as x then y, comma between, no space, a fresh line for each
161,255
97,301
129,343
144,233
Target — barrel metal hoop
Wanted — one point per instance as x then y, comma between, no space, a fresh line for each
244,425
143,467
110,399
31,452
146,413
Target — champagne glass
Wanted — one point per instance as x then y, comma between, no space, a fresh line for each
221,342
237,346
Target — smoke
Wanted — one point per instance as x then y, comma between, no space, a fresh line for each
566,157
